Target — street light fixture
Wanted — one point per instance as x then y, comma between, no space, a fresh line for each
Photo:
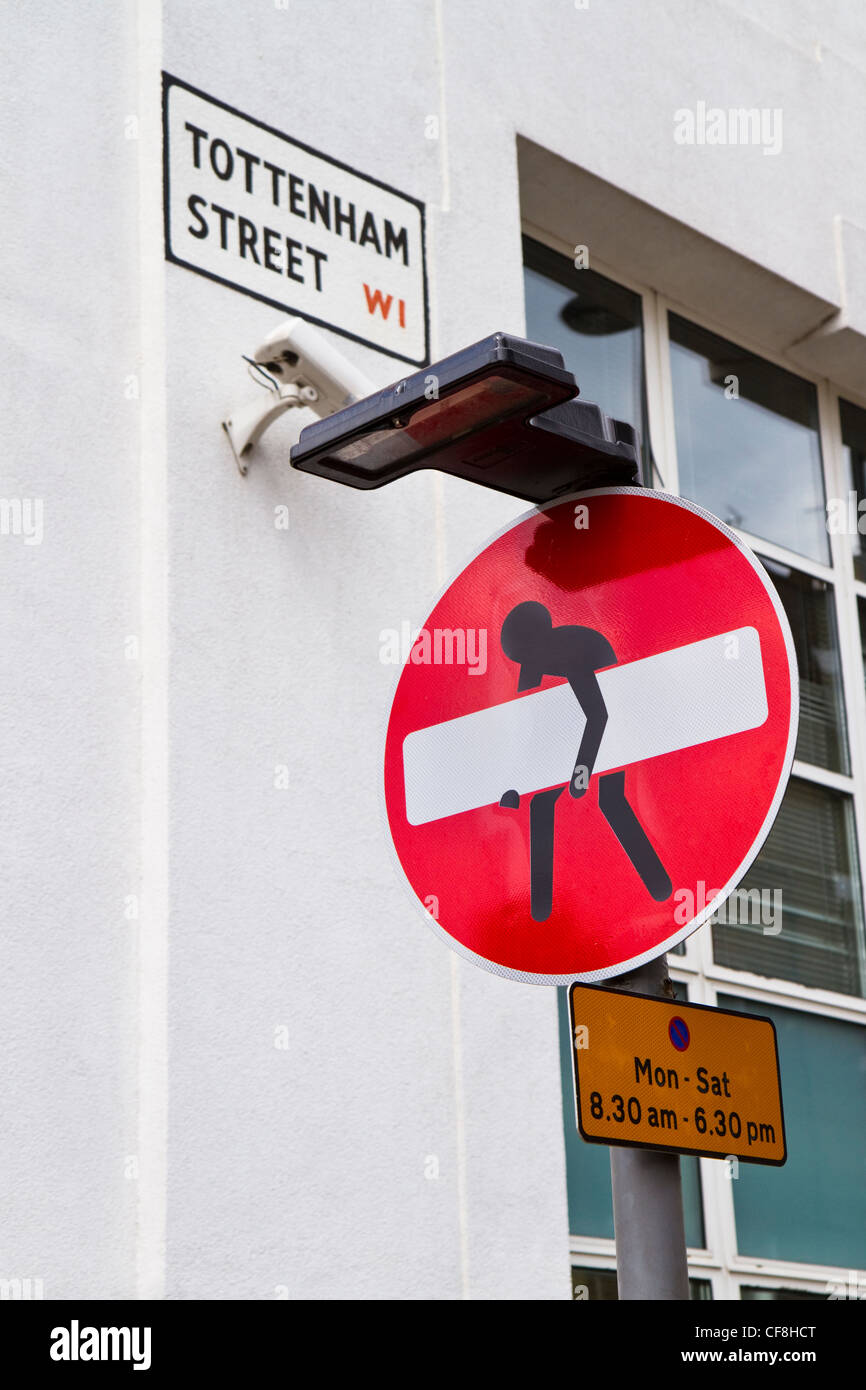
501,413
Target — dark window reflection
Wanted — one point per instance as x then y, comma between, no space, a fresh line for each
747,440
782,1295
796,914
812,1210
597,325
853,421
592,1285
811,609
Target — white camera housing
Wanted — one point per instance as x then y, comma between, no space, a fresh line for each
297,352
301,368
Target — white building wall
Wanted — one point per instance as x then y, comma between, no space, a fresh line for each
297,1171
69,688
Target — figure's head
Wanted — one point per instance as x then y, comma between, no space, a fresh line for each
523,640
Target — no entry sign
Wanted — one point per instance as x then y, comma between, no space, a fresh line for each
591,736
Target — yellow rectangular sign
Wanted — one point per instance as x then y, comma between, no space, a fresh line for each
661,1074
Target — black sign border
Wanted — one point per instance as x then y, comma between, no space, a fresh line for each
169,81
664,1148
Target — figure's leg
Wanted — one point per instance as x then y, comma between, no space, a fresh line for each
591,701
541,809
632,836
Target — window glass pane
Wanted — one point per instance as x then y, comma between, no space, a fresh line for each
853,421
747,440
587,1166
861,609
813,1209
789,1295
796,914
596,325
595,1284
810,605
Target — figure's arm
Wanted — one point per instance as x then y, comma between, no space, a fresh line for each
588,694
529,677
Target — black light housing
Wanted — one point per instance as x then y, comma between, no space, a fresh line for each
501,413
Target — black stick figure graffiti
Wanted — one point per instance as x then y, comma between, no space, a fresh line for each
529,638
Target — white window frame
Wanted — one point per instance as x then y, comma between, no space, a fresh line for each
720,1261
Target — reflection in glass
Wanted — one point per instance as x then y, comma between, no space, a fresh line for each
594,1285
811,610
813,1209
747,440
797,913
784,1295
597,326
853,421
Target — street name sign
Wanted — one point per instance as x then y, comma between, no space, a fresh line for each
591,736
254,209
660,1074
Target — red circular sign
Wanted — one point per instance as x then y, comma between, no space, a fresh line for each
591,736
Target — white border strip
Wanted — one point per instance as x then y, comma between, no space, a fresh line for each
153,560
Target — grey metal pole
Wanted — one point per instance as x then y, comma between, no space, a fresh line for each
651,1261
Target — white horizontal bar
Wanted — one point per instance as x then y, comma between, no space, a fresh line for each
677,699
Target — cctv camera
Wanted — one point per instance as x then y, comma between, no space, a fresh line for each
297,353
301,368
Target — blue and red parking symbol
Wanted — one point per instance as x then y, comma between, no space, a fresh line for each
678,1032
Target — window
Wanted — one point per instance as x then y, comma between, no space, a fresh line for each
810,607
807,925
739,434
747,440
596,325
814,1209
788,1295
853,422
595,1284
